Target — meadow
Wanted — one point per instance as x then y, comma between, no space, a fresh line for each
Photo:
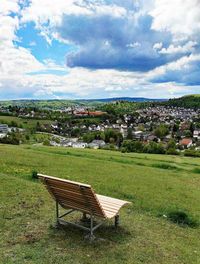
25,123
156,185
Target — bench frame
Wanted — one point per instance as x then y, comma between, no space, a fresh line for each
91,229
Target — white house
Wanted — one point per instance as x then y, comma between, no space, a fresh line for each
2,135
99,142
3,128
196,134
124,130
93,145
79,145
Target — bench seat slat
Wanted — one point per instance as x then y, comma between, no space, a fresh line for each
64,185
75,199
79,208
111,200
84,204
111,206
69,182
69,193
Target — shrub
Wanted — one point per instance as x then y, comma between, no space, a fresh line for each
171,144
172,151
192,153
11,138
164,166
181,218
34,174
197,170
46,142
27,137
110,147
154,148
161,131
132,146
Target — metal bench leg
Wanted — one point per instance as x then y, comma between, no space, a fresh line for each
116,221
84,218
92,237
57,215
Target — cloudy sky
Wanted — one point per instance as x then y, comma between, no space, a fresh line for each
99,48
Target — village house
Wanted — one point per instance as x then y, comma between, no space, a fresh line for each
137,134
99,142
184,126
185,142
124,130
167,138
196,134
79,145
93,128
3,130
95,144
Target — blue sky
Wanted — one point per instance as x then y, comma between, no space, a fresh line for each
99,48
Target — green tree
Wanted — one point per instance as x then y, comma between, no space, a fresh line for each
161,131
46,142
187,133
154,148
132,146
171,144
88,137
129,133
75,132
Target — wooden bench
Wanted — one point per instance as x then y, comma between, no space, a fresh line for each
74,196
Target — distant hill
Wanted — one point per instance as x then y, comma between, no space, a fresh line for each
128,99
62,103
188,101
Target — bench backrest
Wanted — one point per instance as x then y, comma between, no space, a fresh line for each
73,195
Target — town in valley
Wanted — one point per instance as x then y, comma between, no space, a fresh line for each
149,127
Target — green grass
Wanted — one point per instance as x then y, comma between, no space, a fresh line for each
157,186
23,122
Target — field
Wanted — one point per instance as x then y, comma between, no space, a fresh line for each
23,122
155,184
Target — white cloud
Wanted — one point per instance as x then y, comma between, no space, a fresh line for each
157,46
43,11
8,27
16,63
179,17
133,45
84,83
32,44
13,59
179,64
188,47
8,6
47,15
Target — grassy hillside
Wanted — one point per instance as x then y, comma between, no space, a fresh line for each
189,101
22,122
156,185
56,104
